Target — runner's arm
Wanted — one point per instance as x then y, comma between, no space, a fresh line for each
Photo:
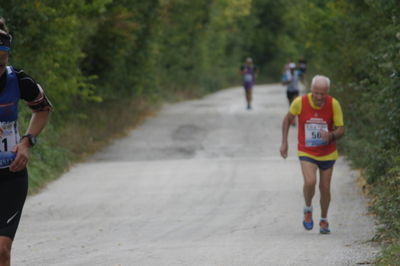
287,121
295,109
41,107
338,130
333,135
36,124
337,133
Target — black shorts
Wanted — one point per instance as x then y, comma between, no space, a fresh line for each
323,165
13,192
291,95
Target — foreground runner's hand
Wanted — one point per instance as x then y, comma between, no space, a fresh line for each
21,160
326,136
284,150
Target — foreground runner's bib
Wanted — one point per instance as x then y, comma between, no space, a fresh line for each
313,128
311,123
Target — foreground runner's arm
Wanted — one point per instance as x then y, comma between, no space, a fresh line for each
37,123
338,122
294,110
333,135
41,108
287,121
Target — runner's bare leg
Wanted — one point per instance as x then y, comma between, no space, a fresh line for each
249,95
325,190
5,250
310,179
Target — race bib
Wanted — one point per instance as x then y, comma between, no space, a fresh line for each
6,158
248,77
9,138
313,134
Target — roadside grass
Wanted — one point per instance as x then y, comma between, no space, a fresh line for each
390,256
384,204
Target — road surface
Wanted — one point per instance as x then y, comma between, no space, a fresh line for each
200,184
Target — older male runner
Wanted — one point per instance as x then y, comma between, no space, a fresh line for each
320,125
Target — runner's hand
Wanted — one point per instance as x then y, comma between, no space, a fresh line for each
284,150
21,160
326,136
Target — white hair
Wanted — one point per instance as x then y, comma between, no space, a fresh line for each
316,77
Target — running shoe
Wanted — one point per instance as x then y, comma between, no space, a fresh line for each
324,227
308,222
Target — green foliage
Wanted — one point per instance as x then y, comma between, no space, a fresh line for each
390,256
264,37
116,52
387,205
47,44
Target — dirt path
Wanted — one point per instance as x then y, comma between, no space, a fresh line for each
200,184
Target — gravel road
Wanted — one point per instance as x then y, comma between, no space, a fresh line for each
202,183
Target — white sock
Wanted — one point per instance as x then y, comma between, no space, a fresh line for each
308,209
323,219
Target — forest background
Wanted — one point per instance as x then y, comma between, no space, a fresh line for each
107,64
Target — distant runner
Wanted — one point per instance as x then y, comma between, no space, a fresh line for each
15,84
320,125
291,79
249,73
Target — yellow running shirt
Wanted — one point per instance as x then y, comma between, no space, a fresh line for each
295,109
